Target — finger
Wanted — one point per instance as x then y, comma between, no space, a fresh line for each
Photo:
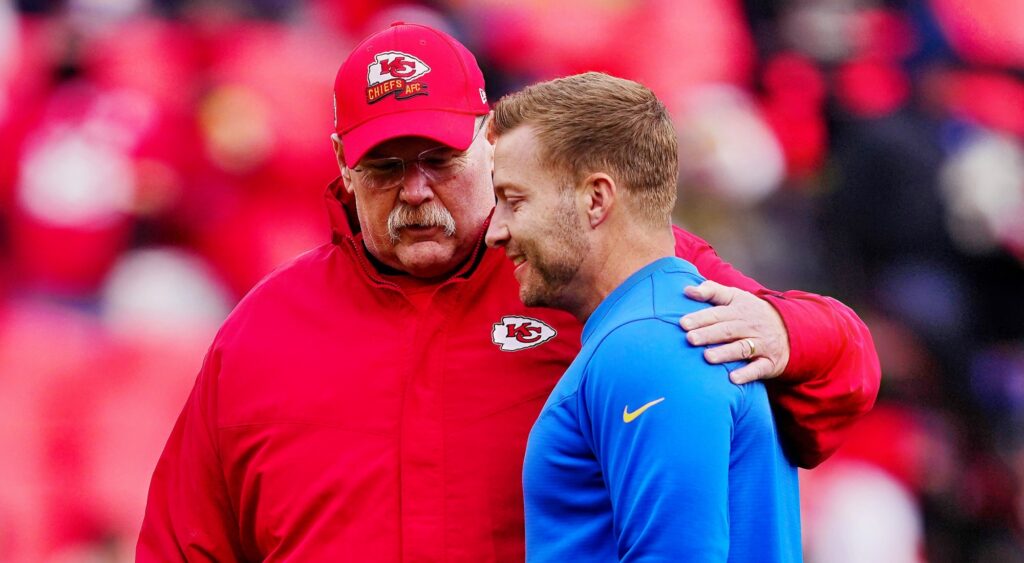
697,292
732,352
704,317
721,332
761,368
711,292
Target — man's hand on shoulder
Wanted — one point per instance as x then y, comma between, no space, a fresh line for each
742,326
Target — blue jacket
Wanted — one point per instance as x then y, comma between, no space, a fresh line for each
645,452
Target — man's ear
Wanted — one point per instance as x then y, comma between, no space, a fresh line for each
491,137
490,133
339,153
600,194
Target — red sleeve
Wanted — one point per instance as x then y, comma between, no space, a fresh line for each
188,515
833,373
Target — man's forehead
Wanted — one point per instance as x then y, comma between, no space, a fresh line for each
516,148
516,159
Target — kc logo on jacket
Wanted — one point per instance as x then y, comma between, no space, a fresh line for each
518,333
394,73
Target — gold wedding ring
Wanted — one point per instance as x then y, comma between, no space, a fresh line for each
750,348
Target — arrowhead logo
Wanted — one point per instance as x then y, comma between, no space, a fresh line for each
394,73
515,333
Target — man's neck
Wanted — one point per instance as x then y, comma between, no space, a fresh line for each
616,256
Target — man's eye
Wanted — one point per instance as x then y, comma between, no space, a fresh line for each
383,167
441,156
439,162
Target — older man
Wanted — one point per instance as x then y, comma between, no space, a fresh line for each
585,172
370,400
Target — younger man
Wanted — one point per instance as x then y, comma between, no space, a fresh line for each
643,451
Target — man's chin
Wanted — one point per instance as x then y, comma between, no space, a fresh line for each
427,259
413,234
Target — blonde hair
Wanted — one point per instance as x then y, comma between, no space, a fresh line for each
594,122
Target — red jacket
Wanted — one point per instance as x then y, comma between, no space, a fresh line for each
332,421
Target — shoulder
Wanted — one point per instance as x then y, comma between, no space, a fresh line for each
667,285
646,341
652,352
658,294
309,264
297,282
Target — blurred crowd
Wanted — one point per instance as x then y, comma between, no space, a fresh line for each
158,157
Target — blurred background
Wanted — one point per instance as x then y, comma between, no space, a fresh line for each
158,157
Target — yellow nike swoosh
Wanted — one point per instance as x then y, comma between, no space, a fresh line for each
628,417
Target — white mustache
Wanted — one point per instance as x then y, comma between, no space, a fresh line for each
428,215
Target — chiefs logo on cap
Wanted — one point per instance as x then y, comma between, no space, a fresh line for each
394,73
518,333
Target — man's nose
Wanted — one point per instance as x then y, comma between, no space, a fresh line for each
497,232
416,188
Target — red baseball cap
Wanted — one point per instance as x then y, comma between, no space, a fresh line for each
407,80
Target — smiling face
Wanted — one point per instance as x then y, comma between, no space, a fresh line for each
423,226
537,221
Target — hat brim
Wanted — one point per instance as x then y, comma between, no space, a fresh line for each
454,129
